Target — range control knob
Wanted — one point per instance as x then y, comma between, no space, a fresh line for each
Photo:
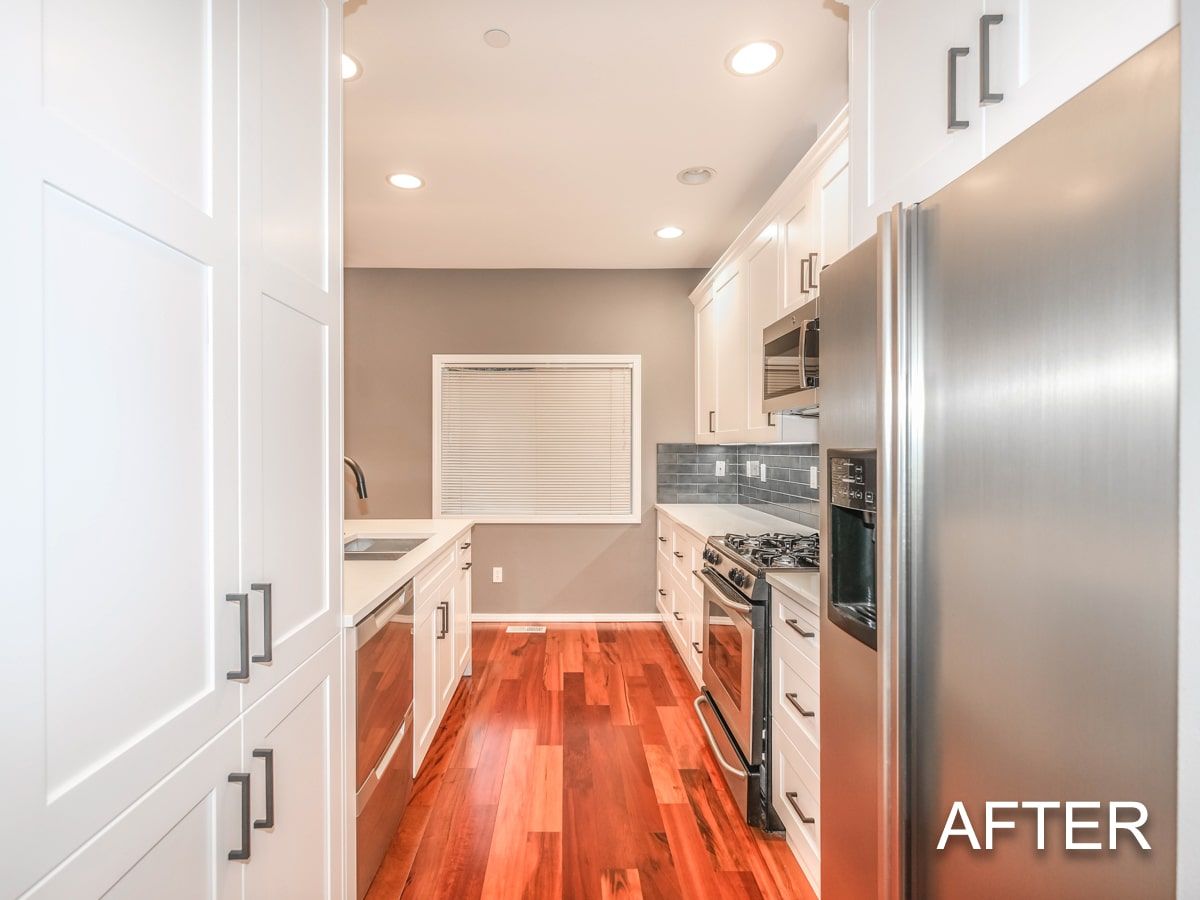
737,576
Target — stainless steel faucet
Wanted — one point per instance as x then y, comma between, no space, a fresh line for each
360,480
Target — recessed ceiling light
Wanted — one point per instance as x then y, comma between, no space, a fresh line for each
669,232
496,37
350,67
696,175
753,58
405,181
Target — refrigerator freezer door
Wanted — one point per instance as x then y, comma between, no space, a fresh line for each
1043,490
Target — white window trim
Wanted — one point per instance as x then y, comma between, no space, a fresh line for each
634,361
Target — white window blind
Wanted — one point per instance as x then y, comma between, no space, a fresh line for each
537,439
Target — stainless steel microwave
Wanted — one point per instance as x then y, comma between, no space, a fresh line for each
791,357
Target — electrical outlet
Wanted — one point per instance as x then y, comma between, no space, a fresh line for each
720,467
752,468
762,472
813,478
497,574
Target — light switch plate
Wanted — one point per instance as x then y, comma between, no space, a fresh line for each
720,467
497,575
762,472
752,468
813,477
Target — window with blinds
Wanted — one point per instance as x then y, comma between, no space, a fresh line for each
537,439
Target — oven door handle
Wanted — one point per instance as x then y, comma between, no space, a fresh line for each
712,741
726,600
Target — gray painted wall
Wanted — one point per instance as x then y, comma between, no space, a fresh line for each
396,319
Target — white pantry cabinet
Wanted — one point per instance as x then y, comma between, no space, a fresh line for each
171,238
1016,61
772,267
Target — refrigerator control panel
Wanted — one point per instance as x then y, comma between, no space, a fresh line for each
852,479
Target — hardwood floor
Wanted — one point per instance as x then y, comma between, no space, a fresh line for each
571,765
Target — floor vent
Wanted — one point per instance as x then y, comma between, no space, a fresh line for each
526,629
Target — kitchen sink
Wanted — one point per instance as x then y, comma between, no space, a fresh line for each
380,548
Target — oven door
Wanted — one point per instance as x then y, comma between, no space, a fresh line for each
729,658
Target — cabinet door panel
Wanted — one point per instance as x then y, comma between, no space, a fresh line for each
706,370
797,232
425,686
899,100
447,670
833,202
179,834
1046,51
118,362
732,346
462,623
291,342
299,722
763,296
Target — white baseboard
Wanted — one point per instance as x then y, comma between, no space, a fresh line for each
566,617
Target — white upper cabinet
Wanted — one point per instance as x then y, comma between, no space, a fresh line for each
798,232
1044,52
732,351
901,74
937,85
772,268
706,369
763,274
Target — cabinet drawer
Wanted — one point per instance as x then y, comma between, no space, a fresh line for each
796,625
794,696
663,537
794,797
430,579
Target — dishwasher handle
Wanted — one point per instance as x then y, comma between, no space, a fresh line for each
389,609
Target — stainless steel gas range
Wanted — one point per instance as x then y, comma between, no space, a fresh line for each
733,705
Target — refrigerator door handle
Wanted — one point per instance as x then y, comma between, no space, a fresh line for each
897,253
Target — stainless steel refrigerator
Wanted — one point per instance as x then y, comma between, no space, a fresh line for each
999,425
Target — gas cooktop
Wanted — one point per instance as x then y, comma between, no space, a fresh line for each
774,550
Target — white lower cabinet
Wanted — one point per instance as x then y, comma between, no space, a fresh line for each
679,594
796,728
293,753
441,640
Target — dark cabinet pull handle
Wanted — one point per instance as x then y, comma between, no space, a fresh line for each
807,261
696,647
711,424
445,629
663,539
467,566
677,553
791,698
812,271
242,673
267,639
953,123
791,798
678,617
986,95
661,592
268,758
793,624
243,778
466,546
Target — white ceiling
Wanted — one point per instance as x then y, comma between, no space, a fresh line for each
560,151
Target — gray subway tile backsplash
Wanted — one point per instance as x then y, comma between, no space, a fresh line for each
687,474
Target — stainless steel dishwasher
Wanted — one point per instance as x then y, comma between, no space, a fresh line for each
384,757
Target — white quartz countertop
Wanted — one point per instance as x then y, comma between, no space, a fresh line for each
368,582
803,587
707,519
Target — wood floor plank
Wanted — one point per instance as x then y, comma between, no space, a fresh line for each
620,884
570,766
